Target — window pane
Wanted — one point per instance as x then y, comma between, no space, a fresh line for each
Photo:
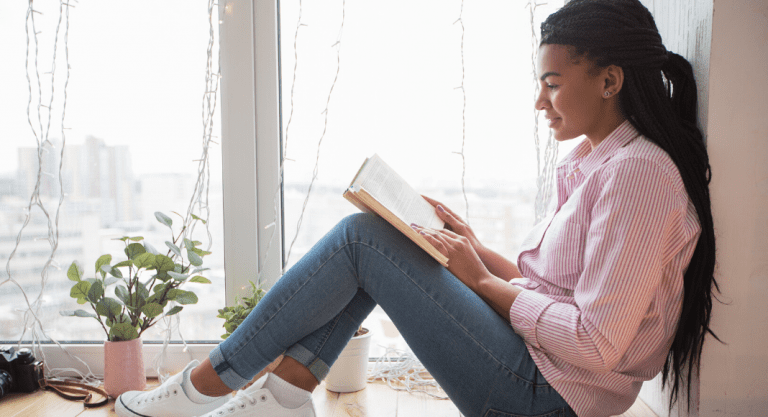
134,112
399,68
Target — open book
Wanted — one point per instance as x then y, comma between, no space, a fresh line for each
379,189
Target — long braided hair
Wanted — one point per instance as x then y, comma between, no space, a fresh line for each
659,99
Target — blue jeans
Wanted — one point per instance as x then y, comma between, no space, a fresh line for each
314,309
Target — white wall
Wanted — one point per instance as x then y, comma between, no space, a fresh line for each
734,377
725,41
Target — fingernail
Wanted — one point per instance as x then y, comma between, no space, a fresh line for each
414,225
439,207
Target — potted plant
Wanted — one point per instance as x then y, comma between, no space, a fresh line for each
146,288
350,371
233,316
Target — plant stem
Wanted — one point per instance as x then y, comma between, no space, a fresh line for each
98,318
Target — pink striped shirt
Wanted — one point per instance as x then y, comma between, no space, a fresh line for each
604,272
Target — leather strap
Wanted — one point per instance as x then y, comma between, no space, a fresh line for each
77,392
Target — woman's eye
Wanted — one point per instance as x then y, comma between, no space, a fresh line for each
552,86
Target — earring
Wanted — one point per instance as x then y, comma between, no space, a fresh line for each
607,94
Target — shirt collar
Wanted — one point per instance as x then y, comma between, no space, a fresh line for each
587,160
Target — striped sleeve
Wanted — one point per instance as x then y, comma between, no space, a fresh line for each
622,268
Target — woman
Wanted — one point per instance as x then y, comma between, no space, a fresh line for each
602,296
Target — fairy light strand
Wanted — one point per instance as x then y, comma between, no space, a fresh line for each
325,112
31,316
199,201
460,21
545,178
32,325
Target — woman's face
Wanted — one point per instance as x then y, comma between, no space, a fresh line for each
573,95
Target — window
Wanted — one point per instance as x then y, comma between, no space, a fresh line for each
135,88
397,68
133,114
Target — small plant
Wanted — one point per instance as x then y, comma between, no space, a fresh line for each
234,316
138,304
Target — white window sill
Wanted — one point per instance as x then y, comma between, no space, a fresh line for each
177,356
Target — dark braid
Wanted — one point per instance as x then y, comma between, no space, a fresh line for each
659,99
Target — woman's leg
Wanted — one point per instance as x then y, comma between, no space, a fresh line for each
474,354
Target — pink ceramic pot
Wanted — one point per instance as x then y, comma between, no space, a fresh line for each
123,367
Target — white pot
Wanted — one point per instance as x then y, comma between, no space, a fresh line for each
350,372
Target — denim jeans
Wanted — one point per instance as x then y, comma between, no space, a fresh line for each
314,309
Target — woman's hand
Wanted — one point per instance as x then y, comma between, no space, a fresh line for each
456,224
463,260
487,277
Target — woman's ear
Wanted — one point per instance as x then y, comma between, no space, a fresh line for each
613,76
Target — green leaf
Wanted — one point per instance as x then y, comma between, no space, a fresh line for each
96,291
124,238
108,307
110,280
122,293
197,218
188,244
194,259
103,260
136,239
145,260
174,310
124,263
151,249
134,249
201,252
162,218
67,313
175,249
158,288
140,294
122,331
182,297
200,270
197,242
115,272
201,279
177,276
164,263
80,291
152,310
75,272
83,313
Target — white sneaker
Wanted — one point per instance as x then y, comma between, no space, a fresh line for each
258,401
167,400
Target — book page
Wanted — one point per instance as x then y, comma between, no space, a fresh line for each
395,194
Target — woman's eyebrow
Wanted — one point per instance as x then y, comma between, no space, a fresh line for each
547,74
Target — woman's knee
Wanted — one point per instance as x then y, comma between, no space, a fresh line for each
363,224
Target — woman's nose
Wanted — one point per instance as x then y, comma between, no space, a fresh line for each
541,101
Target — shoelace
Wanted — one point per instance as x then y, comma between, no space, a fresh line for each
241,400
157,393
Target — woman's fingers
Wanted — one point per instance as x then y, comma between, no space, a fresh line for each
442,210
434,237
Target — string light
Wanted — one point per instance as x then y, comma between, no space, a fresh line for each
315,171
545,180
460,20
